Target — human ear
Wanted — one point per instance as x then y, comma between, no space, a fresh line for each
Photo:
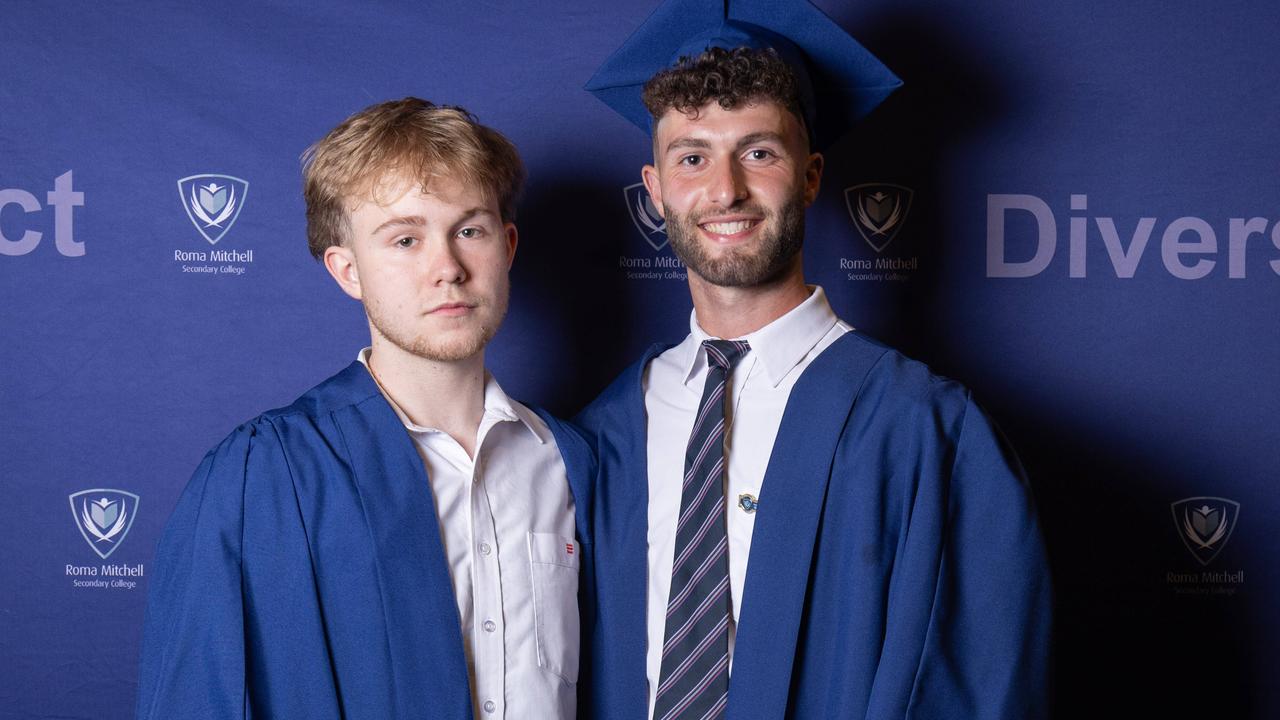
341,264
513,239
653,183
812,178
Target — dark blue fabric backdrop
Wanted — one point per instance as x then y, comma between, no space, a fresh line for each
1088,234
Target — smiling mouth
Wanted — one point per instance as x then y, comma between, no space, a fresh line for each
729,228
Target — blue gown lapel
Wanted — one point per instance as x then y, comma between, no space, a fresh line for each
423,630
791,500
621,530
579,465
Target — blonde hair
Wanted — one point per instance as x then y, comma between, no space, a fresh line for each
411,139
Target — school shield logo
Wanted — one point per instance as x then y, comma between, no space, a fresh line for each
104,517
1205,525
644,214
213,202
878,211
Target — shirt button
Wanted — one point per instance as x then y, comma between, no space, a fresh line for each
486,548
490,626
489,706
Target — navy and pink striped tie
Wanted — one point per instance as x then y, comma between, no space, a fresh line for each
694,682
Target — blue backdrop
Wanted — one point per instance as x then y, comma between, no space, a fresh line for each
1087,232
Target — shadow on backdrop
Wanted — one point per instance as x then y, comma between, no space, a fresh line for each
1125,644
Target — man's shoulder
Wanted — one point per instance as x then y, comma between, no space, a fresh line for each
568,439
297,424
547,424
350,386
882,410
620,397
886,378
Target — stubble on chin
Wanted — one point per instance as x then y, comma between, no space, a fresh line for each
768,260
444,347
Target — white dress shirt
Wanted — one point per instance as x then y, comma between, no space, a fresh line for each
506,520
755,399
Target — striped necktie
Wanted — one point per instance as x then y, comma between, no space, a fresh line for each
694,682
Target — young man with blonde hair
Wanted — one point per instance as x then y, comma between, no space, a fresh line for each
400,541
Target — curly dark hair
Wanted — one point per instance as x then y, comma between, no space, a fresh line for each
731,78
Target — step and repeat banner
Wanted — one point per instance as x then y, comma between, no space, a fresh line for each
1073,208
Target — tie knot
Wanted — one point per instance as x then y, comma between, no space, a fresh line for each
725,353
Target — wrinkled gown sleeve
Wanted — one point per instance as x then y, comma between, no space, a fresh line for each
986,648
233,596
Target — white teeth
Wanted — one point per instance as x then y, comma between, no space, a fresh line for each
728,228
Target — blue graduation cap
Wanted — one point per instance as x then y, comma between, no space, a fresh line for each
839,80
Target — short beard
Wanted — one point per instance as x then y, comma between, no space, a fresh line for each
771,259
433,348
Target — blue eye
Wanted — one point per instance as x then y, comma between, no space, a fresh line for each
406,242
469,232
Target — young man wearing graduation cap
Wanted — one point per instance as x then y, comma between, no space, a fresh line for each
830,530
400,541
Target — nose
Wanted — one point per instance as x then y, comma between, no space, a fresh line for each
445,268
728,184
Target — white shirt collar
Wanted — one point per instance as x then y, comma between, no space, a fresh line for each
778,346
498,407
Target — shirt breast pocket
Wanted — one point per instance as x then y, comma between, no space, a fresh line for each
553,568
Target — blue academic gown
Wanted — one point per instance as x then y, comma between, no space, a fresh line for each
896,568
302,574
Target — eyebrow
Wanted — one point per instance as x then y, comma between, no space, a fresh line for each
687,143
763,136
407,220
420,221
